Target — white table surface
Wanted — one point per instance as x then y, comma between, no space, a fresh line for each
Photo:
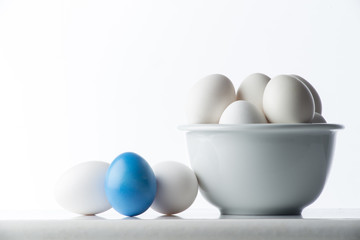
192,224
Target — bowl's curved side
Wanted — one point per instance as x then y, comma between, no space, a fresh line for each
255,172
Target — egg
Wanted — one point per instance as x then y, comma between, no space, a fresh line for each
130,184
252,89
81,189
318,118
287,100
240,112
314,93
208,99
177,187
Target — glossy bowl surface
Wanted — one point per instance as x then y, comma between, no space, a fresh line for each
261,169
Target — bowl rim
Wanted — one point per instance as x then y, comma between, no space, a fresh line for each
261,127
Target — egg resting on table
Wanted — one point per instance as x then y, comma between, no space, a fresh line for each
177,187
81,189
130,184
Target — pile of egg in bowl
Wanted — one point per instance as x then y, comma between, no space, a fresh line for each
259,99
263,150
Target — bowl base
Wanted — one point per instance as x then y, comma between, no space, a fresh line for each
260,213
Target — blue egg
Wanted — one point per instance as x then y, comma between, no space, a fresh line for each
130,184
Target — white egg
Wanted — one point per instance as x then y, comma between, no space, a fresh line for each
240,112
177,187
81,189
314,93
252,89
318,118
208,99
287,100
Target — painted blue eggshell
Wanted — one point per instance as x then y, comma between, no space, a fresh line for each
130,184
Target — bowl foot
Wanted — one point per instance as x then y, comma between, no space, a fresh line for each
254,212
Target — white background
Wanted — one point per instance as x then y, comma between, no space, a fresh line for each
88,80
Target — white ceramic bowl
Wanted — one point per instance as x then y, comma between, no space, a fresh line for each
261,169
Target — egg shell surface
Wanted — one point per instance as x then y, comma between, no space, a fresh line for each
242,112
130,184
314,93
81,189
252,89
208,98
177,187
318,118
287,100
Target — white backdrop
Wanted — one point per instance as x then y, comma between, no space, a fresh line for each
88,80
